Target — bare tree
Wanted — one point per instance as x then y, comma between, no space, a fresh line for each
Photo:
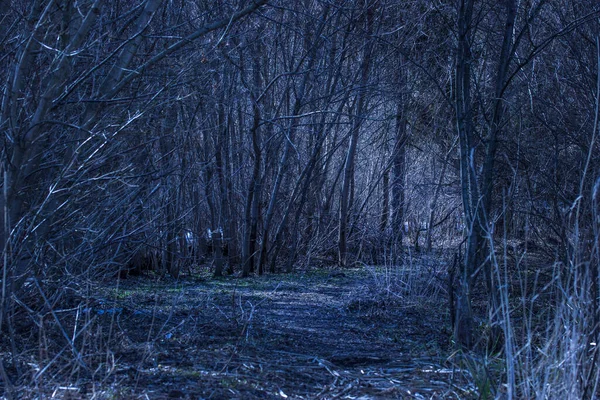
359,109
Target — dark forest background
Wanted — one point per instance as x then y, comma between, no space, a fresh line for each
154,134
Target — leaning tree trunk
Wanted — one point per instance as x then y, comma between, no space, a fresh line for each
349,164
477,198
506,56
436,197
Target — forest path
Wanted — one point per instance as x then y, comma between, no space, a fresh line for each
317,335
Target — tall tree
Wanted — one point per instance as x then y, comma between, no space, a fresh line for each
359,110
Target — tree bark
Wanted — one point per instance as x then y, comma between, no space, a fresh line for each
436,196
254,188
399,179
349,164
463,324
477,198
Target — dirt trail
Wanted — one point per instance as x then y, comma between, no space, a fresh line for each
300,336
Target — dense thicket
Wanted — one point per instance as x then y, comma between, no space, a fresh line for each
306,132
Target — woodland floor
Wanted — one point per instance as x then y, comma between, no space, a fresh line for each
364,333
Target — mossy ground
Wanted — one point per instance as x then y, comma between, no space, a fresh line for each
326,333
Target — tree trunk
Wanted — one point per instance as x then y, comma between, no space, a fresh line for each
221,146
436,196
385,206
283,164
349,164
477,200
252,201
217,242
399,180
463,108
506,56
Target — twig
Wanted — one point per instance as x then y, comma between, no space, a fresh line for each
8,391
62,329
